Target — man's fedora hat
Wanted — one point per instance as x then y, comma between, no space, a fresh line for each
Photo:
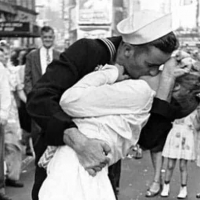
145,26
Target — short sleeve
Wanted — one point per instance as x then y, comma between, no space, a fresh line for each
164,109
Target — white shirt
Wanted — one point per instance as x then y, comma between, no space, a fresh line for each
43,57
98,104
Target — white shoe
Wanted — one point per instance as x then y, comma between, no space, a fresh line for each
165,190
183,193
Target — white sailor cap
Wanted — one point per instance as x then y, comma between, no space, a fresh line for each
145,26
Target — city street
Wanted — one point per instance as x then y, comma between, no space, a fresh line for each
136,176
46,46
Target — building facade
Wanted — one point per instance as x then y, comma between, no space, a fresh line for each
18,22
95,18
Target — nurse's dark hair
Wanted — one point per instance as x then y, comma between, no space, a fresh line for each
1,49
188,101
191,80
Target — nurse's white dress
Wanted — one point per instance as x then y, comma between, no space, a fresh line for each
102,109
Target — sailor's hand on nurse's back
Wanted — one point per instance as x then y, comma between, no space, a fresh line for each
122,75
93,156
92,153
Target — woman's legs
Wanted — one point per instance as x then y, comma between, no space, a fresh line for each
157,161
2,182
183,171
13,159
170,168
1,157
171,163
184,176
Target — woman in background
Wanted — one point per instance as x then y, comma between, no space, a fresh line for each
24,118
197,140
13,131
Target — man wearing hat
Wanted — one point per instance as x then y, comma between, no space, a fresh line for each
141,49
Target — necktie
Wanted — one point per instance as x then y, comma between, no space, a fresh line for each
48,58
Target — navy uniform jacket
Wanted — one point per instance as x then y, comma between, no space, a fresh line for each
78,60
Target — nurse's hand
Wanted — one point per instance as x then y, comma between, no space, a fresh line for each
121,73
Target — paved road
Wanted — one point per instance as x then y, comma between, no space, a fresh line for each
136,176
27,178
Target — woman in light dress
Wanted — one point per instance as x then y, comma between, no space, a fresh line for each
179,146
197,140
13,131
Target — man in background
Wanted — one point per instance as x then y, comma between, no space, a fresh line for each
36,65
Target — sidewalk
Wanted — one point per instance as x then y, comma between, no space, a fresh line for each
136,176
27,177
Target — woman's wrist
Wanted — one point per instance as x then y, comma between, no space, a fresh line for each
165,88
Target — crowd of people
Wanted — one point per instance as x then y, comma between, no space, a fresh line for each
21,68
80,111
13,119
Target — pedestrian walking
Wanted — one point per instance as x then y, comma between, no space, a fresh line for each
197,140
13,131
5,102
24,117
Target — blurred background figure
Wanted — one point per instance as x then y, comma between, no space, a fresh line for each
197,141
13,132
5,99
35,66
24,118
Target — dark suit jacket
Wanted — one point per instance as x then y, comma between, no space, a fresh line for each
33,73
33,70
